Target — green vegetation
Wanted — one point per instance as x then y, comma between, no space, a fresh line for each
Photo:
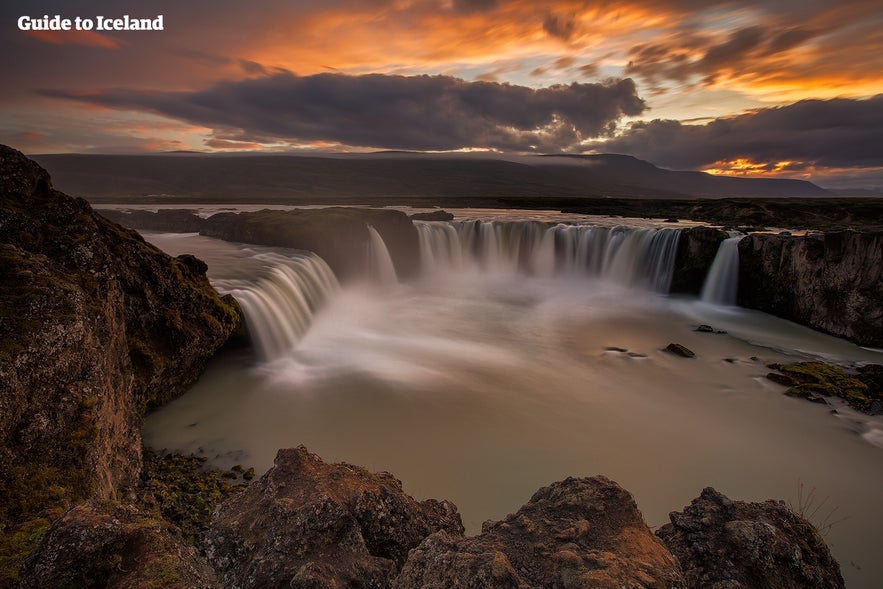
181,490
809,380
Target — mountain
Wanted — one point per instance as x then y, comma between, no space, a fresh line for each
340,178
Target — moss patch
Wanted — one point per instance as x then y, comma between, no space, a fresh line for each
181,490
811,380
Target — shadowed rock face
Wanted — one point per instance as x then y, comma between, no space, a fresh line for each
115,546
830,282
574,533
307,523
95,327
724,544
697,248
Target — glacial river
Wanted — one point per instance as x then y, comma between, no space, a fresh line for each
479,382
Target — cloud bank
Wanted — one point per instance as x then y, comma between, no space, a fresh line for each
391,112
836,133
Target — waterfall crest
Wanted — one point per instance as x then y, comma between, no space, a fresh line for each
626,255
280,305
722,283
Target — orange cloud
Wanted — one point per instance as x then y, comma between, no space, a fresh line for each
85,38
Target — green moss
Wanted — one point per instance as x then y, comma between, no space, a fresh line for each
17,543
814,378
181,490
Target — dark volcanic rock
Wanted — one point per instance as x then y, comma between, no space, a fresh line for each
339,235
574,533
310,524
724,544
680,350
433,216
114,546
95,326
173,220
830,282
697,248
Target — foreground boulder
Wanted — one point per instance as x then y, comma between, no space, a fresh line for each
114,546
575,533
307,523
96,326
724,544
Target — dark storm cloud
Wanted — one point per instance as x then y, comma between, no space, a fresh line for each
838,133
395,112
559,26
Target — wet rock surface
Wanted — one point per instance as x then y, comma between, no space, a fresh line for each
697,248
307,523
725,544
575,533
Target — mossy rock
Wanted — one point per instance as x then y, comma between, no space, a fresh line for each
810,379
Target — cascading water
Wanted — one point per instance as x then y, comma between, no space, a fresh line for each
280,305
722,283
629,256
379,261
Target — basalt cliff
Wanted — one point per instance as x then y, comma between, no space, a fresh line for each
97,326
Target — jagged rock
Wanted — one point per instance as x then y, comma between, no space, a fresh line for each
724,544
680,350
830,282
697,248
432,216
574,533
95,327
705,329
114,546
307,523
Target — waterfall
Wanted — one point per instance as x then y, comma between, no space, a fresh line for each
280,305
722,283
379,261
627,255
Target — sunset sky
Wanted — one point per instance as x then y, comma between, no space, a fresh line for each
791,88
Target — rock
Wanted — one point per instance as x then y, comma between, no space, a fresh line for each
671,220
705,329
306,523
115,546
96,326
828,281
809,380
433,216
724,544
338,235
574,533
697,248
679,350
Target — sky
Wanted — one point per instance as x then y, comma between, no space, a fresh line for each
788,88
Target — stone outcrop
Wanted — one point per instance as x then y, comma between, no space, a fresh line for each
697,248
830,282
337,234
95,327
114,546
575,533
724,544
307,523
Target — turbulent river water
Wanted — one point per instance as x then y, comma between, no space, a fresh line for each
485,378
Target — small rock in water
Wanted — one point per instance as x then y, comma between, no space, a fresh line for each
615,349
671,220
636,355
721,332
679,350
705,329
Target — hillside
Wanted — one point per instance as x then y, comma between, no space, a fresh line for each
357,177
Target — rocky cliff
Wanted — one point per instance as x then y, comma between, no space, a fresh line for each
828,281
95,327
697,248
